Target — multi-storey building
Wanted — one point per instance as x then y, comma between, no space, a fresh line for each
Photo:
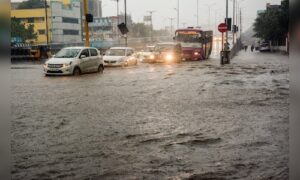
62,25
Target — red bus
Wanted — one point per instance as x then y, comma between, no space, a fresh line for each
196,44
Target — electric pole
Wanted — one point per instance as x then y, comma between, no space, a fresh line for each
46,21
125,5
177,14
86,24
151,12
233,23
197,13
226,23
171,27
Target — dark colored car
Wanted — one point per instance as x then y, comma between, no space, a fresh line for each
167,52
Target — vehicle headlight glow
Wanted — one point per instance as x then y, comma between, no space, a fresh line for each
152,56
169,57
196,53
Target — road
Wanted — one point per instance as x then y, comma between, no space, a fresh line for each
194,120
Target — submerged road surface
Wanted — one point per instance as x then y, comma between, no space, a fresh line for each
194,120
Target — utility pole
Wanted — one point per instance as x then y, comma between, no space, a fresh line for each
46,21
171,27
118,22
151,12
197,13
125,5
86,24
177,14
209,12
233,23
226,22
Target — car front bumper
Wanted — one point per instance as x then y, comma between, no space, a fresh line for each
113,63
68,70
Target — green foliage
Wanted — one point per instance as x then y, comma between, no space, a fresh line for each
19,30
32,4
272,25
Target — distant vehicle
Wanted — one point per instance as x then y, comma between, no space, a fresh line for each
264,47
196,43
120,56
74,61
167,52
147,54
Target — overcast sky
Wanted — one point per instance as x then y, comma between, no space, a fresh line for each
164,9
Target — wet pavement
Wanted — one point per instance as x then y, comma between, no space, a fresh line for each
194,120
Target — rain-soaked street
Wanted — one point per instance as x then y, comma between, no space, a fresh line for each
194,120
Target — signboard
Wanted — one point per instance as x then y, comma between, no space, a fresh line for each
222,27
16,39
188,32
147,18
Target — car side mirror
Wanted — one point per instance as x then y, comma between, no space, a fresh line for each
82,56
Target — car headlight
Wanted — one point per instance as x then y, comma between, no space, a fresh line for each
152,56
67,64
169,57
196,53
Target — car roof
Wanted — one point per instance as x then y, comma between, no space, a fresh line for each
78,47
122,48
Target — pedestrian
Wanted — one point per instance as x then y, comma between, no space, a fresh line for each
252,48
245,47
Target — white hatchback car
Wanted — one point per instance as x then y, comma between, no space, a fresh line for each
74,61
120,56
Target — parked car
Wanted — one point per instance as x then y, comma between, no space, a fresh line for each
168,52
74,61
120,56
264,47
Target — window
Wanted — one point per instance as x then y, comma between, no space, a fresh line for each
70,32
70,20
93,52
30,20
85,52
41,31
39,19
129,52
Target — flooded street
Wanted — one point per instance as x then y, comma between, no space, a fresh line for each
194,120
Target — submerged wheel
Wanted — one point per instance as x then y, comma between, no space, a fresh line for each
76,71
100,69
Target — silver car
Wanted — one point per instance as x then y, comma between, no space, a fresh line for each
120,56
74,61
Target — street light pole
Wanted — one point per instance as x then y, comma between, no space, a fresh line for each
46,21
226,22
171,27
151,12
177,14
86,24
197,13
125,6
233,22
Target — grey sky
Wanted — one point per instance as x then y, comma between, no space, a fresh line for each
188,9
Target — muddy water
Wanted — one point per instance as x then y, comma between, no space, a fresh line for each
195,120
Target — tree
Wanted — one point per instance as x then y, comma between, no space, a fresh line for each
272,25
32,4
139,30
19,30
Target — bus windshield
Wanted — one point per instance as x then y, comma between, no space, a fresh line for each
188,36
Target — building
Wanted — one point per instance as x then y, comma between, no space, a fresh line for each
63,24
94,7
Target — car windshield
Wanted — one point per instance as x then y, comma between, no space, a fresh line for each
191,45
164,47
67,53
116,52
